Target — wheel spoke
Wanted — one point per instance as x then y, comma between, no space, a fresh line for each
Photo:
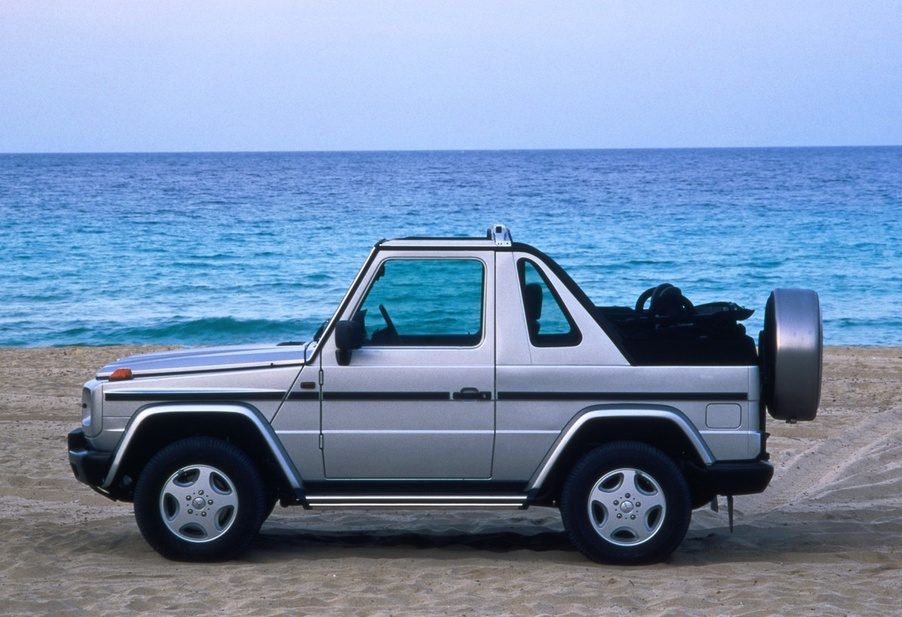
178,490
198,503
626,507
651,494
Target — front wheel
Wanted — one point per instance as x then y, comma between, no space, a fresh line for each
200,499
626,503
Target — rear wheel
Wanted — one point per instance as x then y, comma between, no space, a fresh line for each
200,499
626,503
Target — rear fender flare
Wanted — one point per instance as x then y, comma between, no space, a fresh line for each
606,412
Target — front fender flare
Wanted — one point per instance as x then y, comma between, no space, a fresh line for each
248,413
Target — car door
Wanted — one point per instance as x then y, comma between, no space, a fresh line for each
416,401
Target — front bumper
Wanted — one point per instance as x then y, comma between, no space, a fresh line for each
89,466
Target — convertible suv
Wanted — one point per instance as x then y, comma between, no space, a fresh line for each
462,373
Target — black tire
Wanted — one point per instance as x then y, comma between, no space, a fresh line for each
626,503
200,499
791,347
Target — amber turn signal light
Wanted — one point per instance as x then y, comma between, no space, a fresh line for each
121,373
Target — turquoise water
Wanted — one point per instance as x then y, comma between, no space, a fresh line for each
200,249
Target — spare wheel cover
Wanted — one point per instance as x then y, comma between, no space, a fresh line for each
794,335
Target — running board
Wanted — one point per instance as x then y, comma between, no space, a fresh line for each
417,501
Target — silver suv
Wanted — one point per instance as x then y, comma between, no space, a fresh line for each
463,373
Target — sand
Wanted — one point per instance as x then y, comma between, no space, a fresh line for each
825,539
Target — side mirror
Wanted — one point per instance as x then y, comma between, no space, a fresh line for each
349,335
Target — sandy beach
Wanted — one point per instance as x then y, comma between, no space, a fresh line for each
825,539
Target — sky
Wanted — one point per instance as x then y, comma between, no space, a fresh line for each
297,75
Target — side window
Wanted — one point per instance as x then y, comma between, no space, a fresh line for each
548,322
425,302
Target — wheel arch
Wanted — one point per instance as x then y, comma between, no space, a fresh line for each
156,426
664,428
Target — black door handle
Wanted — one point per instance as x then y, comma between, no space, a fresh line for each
471,394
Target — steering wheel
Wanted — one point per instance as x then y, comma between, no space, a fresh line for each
651,292
666,301
390,332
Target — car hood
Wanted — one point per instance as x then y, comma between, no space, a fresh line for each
209,359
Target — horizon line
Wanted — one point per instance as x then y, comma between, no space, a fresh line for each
443,150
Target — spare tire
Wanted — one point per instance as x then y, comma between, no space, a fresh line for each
791,350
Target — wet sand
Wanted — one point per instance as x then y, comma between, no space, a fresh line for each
825,539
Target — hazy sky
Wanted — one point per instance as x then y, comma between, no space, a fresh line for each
165,75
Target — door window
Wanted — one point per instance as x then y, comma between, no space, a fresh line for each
431,302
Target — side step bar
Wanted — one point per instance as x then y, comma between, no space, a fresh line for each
416,501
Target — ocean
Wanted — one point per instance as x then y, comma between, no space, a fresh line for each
219,248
